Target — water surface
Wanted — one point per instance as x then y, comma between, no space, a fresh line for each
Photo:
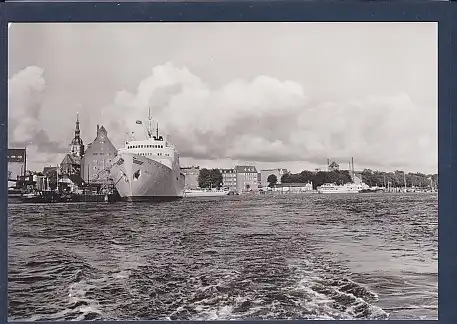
367,256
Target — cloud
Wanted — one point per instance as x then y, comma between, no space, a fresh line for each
262,120
37,159
26,91
269,120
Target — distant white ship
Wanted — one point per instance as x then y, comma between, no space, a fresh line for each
205,192
148,169
350,187
346,188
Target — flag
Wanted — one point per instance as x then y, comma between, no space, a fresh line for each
139,122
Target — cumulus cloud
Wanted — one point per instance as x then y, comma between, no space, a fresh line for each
269,120
26,91
262,120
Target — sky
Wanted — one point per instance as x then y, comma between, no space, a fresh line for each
275,95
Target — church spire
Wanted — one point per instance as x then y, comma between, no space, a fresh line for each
77,131
77,145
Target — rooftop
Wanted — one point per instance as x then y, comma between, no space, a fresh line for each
245,169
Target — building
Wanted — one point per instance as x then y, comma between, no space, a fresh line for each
77,145
52,174
17,163
264,174
246,178
333,167
97,159
229,178
31,182
357,178
294,187
191,176
71,163
71,183
41,182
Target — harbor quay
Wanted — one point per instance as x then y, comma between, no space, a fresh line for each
84,175
247,179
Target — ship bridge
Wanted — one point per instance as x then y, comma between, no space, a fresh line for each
154,147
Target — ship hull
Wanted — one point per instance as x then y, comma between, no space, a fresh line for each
338,191
138,178
196,193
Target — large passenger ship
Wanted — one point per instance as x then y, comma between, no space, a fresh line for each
148,169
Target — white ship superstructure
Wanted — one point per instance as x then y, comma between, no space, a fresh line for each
206,192
346,188
148,169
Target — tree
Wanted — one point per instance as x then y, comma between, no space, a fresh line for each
272,180
285,178
203,178
215,178
209,178
306,176
52,176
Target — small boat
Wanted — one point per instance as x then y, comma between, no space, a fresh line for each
206,192
41,197
32,197
373,190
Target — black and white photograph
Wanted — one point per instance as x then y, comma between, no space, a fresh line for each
222,171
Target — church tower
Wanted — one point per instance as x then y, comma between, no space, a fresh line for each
77,145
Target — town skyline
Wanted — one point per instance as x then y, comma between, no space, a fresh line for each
326,90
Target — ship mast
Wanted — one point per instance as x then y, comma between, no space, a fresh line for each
149,124
353,172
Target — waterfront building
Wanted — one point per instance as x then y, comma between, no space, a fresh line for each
97,159
71,163
71,183
17,163
191,176
246,178
357,178
41,182
264,174
51,173
229,178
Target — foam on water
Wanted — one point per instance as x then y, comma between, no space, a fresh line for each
234,258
